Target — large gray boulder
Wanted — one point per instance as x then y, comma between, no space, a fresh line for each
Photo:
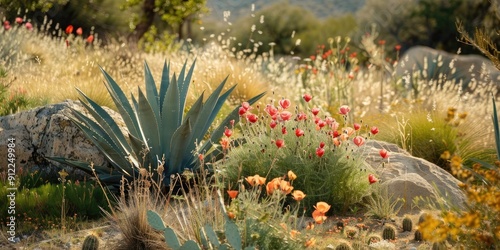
409,177
47,131
424,63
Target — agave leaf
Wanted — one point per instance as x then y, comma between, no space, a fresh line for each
107,123
183,84
177,148
151,91
137,145
122,103
149,127
165,82
496,128
114,157
171,110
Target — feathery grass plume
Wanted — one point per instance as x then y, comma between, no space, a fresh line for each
382,205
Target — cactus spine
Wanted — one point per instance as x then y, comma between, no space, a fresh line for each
389,233
357,245
90,243
407,224
418,235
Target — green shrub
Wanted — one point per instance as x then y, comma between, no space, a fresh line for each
329,168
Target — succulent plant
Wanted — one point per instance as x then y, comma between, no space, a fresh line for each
418,235
340,224
373,238
350,232
209,238
343,246
158,127
439,246
91,242
358,245
422,217
407,224
389,233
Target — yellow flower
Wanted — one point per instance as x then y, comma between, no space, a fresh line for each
256,180
291,175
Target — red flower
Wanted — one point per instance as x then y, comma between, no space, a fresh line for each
90,39
315,111
344,109
285,115
397,47
313,57
79,31
301,116
320,152
271,110
374,130
232,193
273,124
307,97
381,42
285,103
384,154
358,140
321,144
19,20
299,132
252,118
357,126
283,130
372,179
29,26
321,123
69,29
228,132
6,25
242,111
280,143
245,105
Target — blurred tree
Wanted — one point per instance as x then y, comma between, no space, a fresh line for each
426,22
278,25
175,15
30,5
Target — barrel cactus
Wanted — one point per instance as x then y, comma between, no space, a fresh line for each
91,242
389,233
418,235
343,246
407,224
373,238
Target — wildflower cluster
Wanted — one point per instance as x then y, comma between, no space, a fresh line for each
323,149
479,225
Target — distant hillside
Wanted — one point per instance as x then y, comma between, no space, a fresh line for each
321,8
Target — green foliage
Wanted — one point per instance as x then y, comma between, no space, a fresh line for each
381,205
43,5
407,224
159,129
388,233
11,101
338,176
91,242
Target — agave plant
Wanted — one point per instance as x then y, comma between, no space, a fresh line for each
159,129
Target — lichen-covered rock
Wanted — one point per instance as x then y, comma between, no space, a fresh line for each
47,131
409,177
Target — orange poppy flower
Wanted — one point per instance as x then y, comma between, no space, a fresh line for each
310,242
285,187
256,180
322,207
294,233
319,217
298,195
291,175
271,186
232,193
